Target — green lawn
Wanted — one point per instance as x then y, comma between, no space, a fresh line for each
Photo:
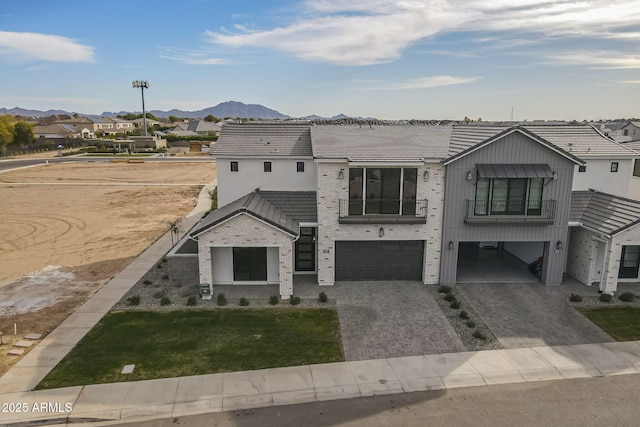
196,342
622,323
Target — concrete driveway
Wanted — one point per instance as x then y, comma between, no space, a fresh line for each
531,314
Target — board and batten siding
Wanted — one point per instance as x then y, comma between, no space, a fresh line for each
514,148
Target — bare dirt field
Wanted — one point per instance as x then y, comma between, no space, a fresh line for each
66,229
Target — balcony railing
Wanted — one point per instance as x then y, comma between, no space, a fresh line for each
359,211
511,211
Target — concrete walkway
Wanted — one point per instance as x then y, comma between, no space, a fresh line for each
36,364
175,397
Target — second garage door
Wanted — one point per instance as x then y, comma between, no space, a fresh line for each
379,260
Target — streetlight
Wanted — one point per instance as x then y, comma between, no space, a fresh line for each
142,84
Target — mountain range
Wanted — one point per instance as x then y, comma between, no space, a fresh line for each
222,110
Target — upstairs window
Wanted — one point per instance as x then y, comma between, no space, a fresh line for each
614,166
508,196
300,167
382,191
582,168
267,166
234,166
636,167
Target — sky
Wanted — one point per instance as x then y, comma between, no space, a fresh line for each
409,59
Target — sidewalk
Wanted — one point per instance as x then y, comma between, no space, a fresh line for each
175,397
36,364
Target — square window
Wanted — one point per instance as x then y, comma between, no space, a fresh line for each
300,167
267,166
582,168
234,166
614,166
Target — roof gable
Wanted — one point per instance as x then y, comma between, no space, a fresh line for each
605,213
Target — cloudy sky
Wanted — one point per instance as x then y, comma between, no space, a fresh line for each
422,59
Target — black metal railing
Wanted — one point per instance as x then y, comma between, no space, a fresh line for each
511,210
383,208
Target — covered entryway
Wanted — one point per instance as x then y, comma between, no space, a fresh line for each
499,262
379,260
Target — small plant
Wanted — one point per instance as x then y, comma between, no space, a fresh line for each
164,260
244,302
159,266
147,282
323,297
273,299
165,277
627,296
444,289
575,298
450,298
221,300
470,323
165,301
455,305
294,300
159,294
479,334
191,301
133,300
605,298
464,315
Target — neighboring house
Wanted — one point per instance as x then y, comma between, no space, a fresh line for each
195,127
394,202
56,131
120,125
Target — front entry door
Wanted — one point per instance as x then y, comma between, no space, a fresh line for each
306,250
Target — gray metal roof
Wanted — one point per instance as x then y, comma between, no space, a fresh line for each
514,171
260,140
604,212
380,143
282,209
582,141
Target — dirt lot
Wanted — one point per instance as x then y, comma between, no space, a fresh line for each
65,229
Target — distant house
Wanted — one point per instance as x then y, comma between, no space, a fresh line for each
120,125
195,127
57,131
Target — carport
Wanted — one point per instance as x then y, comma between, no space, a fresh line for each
497,262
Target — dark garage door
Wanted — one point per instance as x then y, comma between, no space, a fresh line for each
379,260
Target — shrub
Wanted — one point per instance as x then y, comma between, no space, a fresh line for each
165,301
221,300
464,315
164,260
160,293
147,282
605,298
627,296
165,277
450,297
133,300
470,323
575,298
444,289
159,266
244,302
294,300
323,297
191,301
479,334
455,305
273,299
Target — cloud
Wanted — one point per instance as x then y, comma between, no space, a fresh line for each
598,59
418,83
44,47
362,32
630,82
191,58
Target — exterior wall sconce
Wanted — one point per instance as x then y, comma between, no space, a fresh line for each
341,173
555,175
425,176
381,232
450,245
559,245
469,176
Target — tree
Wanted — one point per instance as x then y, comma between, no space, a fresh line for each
23,133
6,132
211,118
174,119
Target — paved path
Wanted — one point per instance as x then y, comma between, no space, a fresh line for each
175,397
36,364
531,314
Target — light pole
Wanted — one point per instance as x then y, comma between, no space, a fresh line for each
142,84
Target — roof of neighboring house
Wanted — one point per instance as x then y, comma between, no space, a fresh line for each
183,133
54,128
202,126
633,145
282,209
273,140
380,143
582,141
603,212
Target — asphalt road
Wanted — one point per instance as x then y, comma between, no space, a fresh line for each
605,401
19,163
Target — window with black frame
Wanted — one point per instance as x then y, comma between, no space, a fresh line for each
508,196
374,191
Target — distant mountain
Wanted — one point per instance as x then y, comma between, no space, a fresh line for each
17,111
224,109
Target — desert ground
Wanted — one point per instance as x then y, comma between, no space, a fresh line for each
67,228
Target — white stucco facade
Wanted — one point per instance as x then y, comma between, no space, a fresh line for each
598,176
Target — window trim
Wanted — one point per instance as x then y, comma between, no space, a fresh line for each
615,166
267,167
235,166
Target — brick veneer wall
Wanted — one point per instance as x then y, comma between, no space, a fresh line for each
245,230
581,257
331,190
